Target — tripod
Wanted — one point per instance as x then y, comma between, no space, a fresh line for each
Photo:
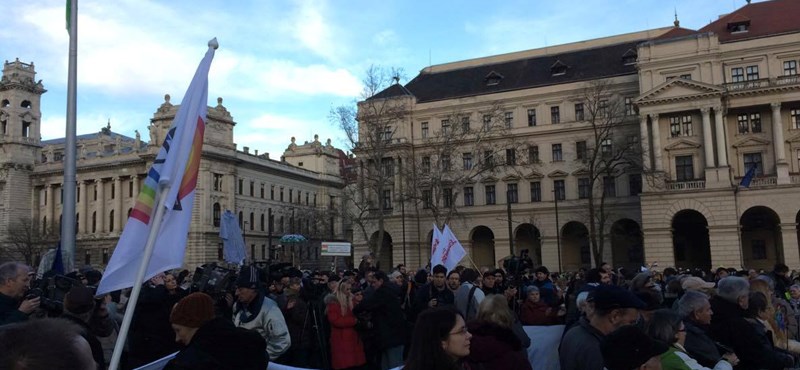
313,312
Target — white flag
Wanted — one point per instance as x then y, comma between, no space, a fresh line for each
436,243
176,165
452,251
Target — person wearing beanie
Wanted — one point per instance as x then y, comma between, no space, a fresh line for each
78,308
212,342
254,311
536,312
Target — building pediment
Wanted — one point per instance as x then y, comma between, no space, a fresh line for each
534,175
511,178
751,142
489,180
580,172
794,139
682,144
557,174
678,89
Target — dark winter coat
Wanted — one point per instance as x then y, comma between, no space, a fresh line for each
580,347
729,327
151,335
9,310
299,323
218,345
427,292
346,347
94,343
699,345
387,316
495,347
536,314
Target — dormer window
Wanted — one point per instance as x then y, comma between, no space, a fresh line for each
629,57
558,68
493,78
739,26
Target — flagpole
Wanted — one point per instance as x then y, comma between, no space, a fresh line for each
68,210
137,284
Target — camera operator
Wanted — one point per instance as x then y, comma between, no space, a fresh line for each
15,280
435,293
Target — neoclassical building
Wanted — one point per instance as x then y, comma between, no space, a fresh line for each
702,105
271,197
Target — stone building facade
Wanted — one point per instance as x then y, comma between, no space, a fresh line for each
271,197
702,105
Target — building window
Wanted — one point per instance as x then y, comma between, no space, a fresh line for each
488,158
795,118
752,73
629,109
447,197
744,126
467,159
490,195
583,188
426,199
217,182
217,214
272,192
130,189
445,159
580,150
536,191
557,153
465,124
426,165
579,111
487,122
531,117
387,133
559,189
94,222
680,126
753,159
469,196
790,68
252,223
291,195
252,188
635,184
241,187
606,148
387,199
687,125
602,108
512,193
533,154
111,221
281,194
445,126
306,198
759,248
511,157
424,126
508,117
609,186
684,168
78,195
261,222
95,193
737,74
749,123
388,167
105,256
263,190
555,115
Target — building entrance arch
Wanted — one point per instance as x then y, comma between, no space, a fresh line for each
690,242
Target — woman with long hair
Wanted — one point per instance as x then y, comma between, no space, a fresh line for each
347,351
440,341
495,345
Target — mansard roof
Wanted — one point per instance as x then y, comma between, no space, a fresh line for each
766,18
584,64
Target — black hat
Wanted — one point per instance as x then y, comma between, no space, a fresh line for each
607,297
248,277
628,348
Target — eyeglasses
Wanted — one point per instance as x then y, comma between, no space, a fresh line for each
461,331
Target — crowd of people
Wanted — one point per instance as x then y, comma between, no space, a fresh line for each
431,318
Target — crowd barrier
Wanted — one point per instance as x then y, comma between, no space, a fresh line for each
543,352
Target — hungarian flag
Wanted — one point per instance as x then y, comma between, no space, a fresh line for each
171,184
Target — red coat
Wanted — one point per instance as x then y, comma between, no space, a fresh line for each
536,314
346,347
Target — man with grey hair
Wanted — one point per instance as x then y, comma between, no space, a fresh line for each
730,328
695,309
15,280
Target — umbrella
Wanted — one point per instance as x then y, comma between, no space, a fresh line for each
293,238
233,250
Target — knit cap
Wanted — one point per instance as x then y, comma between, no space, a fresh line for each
79,300
193,311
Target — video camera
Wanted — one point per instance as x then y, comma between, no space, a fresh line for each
516,265
214,280
51,291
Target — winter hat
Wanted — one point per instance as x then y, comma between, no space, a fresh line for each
248,277
530,289
193,311
79,300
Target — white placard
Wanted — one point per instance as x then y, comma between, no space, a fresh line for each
335,249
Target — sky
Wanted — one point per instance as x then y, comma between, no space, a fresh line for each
283,65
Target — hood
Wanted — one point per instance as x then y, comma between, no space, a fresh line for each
725,310
491,341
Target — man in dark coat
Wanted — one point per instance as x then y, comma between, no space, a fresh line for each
435,293
729,327
151,337
390,323
78,308
213,342
15,280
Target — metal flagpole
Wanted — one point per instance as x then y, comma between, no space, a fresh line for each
68,210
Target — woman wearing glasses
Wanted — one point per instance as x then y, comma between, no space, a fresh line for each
667,326
440,341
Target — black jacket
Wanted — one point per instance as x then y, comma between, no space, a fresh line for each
9,312
389,320
700,346
218,345
151,335
94,343
729,327
427,292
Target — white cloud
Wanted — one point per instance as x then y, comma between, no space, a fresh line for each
269,132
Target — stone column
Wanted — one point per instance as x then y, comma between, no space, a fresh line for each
644,138
100,206
791,254
84,209
118,204
778,145
722,146
708,143
656,142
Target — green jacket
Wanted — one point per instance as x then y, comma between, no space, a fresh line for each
671,361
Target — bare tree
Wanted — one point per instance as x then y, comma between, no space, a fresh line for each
612,149
26,239
369,129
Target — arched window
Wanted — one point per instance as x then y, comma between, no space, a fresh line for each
217,214
26,104
5,103
94,222
111,221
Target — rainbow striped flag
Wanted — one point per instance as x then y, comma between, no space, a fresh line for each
175,169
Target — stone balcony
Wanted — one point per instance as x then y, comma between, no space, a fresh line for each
762,83
685,185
